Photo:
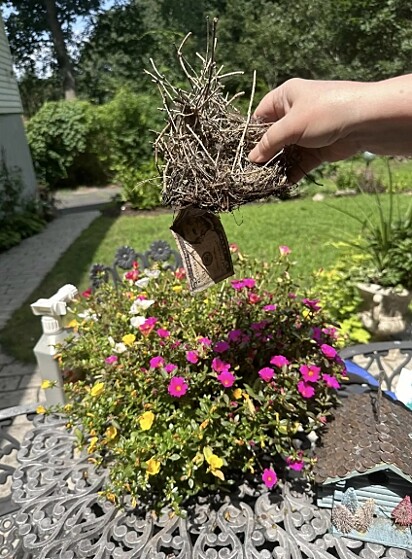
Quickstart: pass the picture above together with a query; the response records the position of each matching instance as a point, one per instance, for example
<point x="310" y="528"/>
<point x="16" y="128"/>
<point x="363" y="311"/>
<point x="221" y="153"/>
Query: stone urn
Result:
<point x="384" y="309"/>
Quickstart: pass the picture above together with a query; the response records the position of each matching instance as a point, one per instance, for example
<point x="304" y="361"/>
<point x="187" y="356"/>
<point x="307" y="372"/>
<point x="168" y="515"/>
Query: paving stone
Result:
<point x="30" y="381"/>
<point x="17" y="369"/>
<point x="8" y="384"/>
<point x="19" y="397"/>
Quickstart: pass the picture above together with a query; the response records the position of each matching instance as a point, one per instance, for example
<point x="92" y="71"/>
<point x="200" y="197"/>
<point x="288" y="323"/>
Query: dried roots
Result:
<point x="204" y="146"/>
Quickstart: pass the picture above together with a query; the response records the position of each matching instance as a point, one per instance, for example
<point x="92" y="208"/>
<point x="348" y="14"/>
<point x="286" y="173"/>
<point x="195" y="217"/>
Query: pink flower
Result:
<point x="205" y="341"/>
<point x="249" y="283"/>
<point x="156" y="362"/>
<point x="162" y="333"/>
<point x="254" y="298"/>
<point x="306" y="390"/>
<point x="233" y="247"/>
<point x="328" y="351"/>
<point x="177" y="387"/>
<point x="310" y="373"/>
<point x="269" y="308"/>
<point x="180" y="273"/>
<point x="133" y="275"/>
<point x="226" y="378"/>
<point x="148" y="325"/>
<point x="312" y="304"/>
<point x="292" y="295"/>
<point x="295" y="463"/>
<point x="221" y="347"/>
<point x="284" y="250"/>
<point x="269" y="477"/>
<point x="317" y="334"/>
<point x="331" y="381"/>
<point x="170" y="367"/>
<point x="237" y="284"/>
<point x="266" y="374"/>
<point x="235" y="335"/>
<point x="111" y="359"/>
<point x="87" y="293"/>
<point x="331" y="332"/>
<point x="257" y="326"/>
<point x="279" y="361"/>
<point x="192" y="357"/>
<point x="220" y="366"/>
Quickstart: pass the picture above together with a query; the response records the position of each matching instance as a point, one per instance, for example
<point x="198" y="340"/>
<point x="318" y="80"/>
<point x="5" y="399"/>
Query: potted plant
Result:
<point x="180" y="396"/>
<point x="385" y="271"/>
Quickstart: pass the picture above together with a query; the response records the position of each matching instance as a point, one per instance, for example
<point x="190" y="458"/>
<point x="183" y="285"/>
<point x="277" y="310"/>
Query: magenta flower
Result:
<point x="177" y="387"/>
<point x="148" y="325"/>
<point x="328" y="351"/>
<point x="257" y="326"/>
<point x="269" y="308"/>
<point x="312" y="304"/>
<point x="87" y="293"/>
<point x="306" y="390"/>
<point x="111" y="359"/>
<point x="317" y="334"/>
<point x="192" y="357"/>
<point x="226" y="378"/>
<point x="331" y="332"/>
<point x="254" y="298"/>
<point x="235" y="336"/>
<point x="295" y="463"/>
<point x="266" y="374"/>
<point x="331" y="381"/>
<point x="310" y="373"/>
<point x="157" y="362"/>
<point x="170" y="367"/>
<point x="237" y="284"/>
<point x="220" y="366"/>
<point x="221" y="347"/>
<point x="269" y="477"/>
<point x="279" y="361"/>
<point x="162" y="333"/>
<point x="284" y="250"/>
<point x="205" y="341"/>
<point x="249" y="283"/>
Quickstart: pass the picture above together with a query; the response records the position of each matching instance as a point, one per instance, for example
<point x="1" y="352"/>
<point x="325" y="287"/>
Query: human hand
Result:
<point x="313" y="115"/>
<point x="333" y="120"/>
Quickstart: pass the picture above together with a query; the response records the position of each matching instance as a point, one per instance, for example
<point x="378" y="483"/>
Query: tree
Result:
<point x="36" y="27"/>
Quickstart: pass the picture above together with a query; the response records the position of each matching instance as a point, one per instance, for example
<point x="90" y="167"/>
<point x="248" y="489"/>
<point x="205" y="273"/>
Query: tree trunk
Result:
<point x="63" y="59"/>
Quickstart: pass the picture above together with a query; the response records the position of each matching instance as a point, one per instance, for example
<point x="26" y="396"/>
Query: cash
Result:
<point x="203" y="245"/>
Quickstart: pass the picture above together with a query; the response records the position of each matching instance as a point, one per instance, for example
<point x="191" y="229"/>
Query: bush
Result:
<point x="19" y="218"/>
<point x="182" y="394"/>
<point x="141" y="188"/>
<point x="338" y="295"/>
<point x="60" y="136"/>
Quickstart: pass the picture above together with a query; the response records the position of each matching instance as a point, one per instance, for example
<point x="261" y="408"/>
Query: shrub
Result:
<point x="60" y="135"/>
<point x="141" y="188"/>
<point x="181" y="394"/>
<point x="336" y="289"/>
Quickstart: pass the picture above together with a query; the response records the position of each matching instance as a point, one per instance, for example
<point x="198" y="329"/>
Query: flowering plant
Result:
<point x="176" y="394"/>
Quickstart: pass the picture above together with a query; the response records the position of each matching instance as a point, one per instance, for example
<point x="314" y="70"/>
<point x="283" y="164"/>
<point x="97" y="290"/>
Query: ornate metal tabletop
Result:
<point x="62" y="516"/>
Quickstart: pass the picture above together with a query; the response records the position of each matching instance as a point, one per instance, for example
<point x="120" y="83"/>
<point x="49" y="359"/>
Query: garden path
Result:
<point x="22" y="268"/>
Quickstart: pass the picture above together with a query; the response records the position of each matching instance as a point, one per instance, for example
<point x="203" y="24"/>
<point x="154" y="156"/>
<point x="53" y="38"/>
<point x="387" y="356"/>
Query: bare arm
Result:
<point x="332" y="120"/>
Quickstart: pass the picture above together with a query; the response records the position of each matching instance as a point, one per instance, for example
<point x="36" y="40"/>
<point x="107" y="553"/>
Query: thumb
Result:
<point x="282" y="133"/>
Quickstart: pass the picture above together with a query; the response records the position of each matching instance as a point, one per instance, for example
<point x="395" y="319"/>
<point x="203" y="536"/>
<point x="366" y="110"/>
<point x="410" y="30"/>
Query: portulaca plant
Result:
<point x="179" y="395"/>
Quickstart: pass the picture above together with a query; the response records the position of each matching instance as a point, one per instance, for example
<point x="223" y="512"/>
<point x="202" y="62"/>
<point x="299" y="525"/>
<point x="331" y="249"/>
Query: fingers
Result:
<point x="280" y="134"/>
<point x="270" y="107"/>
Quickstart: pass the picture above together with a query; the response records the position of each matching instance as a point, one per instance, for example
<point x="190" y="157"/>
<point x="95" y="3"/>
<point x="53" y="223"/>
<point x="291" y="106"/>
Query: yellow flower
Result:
<point x="215" y="463"/>
<point x="204" y="424"/>
<point x="73" y="324"/>
<point x="146" y="420"/>
<point x="152" y="467"/>
<point x="177" y="288"/>
<point x="40" y="409"/>
<point x="111" y="433"/>
<point x="92" y="445"/>
<point x="128" y="339"/>
<point x="237" y="393"/>
<point x="97" y="389"/>
<point x="48" y="384"/>
<point x="68" y="407"/>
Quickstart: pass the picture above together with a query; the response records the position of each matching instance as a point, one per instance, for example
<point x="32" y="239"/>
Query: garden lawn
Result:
<point x="309" y="228"/>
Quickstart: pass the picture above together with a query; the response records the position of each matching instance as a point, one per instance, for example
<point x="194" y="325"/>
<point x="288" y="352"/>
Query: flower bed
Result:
<point x="177" y="395"/>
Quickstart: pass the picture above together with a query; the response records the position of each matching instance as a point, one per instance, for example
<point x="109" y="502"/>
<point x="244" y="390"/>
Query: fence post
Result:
<point x="51" y="310"/>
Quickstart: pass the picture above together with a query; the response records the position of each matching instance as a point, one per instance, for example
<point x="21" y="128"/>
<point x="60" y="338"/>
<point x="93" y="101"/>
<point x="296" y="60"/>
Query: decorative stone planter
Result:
<point x="384" y="310"/>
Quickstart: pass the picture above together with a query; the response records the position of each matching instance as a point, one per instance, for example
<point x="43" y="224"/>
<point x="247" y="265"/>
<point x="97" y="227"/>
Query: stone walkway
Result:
<point x="23" y="268"/>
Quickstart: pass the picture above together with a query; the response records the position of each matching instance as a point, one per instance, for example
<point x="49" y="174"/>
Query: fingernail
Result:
<point x="254" y="156"/>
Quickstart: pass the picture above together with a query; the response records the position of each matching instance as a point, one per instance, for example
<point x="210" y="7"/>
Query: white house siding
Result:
<point x="13" y="141"/>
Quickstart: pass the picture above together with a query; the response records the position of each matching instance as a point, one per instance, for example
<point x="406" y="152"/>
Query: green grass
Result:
<point x="309" y="228"/>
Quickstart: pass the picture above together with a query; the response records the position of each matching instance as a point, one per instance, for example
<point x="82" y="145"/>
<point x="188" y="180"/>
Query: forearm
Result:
<point x="382" y="119"/>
